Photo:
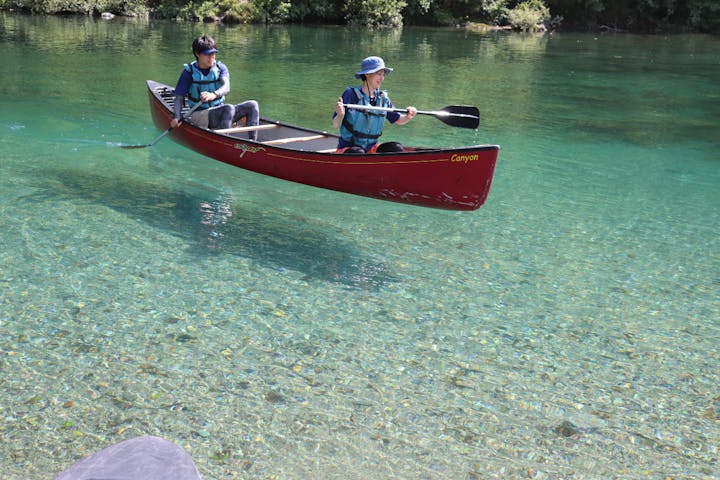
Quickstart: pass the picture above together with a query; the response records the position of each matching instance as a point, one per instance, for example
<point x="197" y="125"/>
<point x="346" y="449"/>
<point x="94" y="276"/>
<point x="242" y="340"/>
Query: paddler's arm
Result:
<point x="339" y="113"/>
<point x="204" y="96"/>
<point x="411" y="112"/>
<point x="220" y="92"/>
<point x="177" y="113"/>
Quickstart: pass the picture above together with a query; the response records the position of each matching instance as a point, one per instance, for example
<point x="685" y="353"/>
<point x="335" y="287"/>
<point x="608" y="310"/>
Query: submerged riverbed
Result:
<point x="567" y="329"/>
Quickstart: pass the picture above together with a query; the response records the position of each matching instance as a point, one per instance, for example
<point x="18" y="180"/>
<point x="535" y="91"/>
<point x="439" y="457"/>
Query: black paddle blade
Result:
<point x="463" y="116"/>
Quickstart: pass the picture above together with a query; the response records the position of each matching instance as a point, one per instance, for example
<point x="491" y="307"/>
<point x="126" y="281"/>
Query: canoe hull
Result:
<point x="455" y="179"/>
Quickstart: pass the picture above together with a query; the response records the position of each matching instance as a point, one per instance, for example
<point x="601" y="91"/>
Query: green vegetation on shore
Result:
<point x="647" y="16"/>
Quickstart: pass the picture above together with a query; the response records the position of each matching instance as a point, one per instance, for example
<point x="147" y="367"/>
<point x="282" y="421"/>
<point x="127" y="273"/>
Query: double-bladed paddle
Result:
<point x="463" y="116"/>
<point x="162" y="135"/>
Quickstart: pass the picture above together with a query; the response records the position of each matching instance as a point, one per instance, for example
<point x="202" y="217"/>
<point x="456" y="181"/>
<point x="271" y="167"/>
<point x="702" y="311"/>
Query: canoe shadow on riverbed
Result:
<point x="211" y="224"/>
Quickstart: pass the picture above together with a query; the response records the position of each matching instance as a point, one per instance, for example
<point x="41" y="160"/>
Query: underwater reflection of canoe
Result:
<point x="452" y="178"/>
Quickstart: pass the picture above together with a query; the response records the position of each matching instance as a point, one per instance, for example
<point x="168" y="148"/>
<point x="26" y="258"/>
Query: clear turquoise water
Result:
<point x="567" y="329"/>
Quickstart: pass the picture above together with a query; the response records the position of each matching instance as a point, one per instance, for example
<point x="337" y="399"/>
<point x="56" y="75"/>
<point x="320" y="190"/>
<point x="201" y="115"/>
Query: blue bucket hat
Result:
<point x="372" y="65"/>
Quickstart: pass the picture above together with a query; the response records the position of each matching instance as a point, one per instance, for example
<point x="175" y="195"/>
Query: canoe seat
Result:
<point x="281" y="141"/>
<point x="246" y="129"/>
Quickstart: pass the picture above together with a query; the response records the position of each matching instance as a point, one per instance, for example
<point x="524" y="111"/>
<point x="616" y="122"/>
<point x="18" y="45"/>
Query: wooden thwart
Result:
<point x="280" y="141"/>
<point x="246" y="129"/>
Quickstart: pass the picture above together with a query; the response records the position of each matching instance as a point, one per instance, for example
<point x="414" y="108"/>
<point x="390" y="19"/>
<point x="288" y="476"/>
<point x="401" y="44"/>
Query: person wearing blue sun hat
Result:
<point x="360" y="129"/>
<point x="207" y="81"/>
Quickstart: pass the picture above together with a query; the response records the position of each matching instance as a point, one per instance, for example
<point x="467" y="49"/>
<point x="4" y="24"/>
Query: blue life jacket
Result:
<point x="364" y="127"/>
<point x="203" y="83"/>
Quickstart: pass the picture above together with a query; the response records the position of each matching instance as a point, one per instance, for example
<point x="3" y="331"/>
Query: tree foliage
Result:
<point x="374" y="13"/>
<point x="652" y="16"/>
<point x="620" y="15"/>
<point x="528" y="16"/>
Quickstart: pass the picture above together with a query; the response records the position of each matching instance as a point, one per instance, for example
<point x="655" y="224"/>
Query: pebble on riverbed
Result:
<point x="567" y="429"/>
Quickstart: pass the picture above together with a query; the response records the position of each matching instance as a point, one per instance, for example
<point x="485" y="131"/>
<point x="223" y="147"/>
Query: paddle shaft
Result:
<point x="463" y="116"/>
<point x="438" y="113"/>
<point x="162" y="135"/>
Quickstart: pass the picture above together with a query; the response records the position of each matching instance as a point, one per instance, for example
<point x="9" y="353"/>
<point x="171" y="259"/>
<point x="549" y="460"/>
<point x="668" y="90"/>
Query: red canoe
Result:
<point x="453" y="179"/>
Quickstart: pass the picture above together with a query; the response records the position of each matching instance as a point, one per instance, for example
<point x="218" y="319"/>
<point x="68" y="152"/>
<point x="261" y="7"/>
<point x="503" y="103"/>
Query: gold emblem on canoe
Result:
<point x="247" y="148"/>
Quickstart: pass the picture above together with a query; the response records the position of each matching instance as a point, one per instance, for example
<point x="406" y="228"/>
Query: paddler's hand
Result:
<point x="410" y="113"/>
<point x="175" y="122"/>
<point x="340" y="108"/>
<point x="339" y="113"/>
<point x="208" y="96"/>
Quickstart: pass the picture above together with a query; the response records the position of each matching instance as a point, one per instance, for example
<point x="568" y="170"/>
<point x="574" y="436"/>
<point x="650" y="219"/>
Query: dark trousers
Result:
<point x="223" y="116"/>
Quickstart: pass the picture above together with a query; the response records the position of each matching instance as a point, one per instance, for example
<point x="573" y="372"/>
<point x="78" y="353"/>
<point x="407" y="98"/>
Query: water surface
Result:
<point x="567" y="329"/>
